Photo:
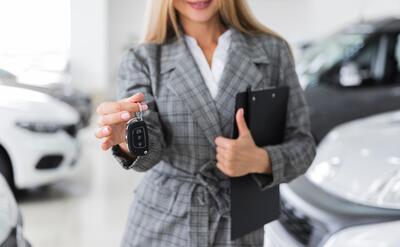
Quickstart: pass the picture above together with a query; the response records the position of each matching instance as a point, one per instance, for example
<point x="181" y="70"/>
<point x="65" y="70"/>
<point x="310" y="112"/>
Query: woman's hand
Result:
<point x="241" y="156"/>
<point x="114" y="116"/>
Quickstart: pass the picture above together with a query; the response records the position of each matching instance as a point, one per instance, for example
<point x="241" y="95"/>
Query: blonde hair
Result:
<point x="163" y="24"/>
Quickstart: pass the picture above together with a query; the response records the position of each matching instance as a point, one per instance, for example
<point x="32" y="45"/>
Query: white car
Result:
<point x="350" y="196"/>
<point x="11" y="234"/>
<point x="38" y="143"/>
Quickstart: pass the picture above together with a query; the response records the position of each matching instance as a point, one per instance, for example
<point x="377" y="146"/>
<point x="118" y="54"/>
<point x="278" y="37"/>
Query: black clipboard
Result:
<point x="265" y="115"/>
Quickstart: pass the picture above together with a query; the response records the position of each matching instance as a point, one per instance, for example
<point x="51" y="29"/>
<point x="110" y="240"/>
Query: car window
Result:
<point x="367" y="57"/>
<point x="327" y="52"/>
<point x="6" y="76"/>
<point x="372" y="62"/>
<point x="392" y="64"/>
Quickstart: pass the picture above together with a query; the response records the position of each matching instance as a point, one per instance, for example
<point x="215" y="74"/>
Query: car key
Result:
<point x="137" y="136"/>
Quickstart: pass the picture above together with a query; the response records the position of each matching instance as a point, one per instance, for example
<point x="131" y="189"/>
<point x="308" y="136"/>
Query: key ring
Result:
<point x="140" y="113"/>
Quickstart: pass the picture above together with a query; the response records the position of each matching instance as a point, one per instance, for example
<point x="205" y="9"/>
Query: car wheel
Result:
<point x="6" y="169"/>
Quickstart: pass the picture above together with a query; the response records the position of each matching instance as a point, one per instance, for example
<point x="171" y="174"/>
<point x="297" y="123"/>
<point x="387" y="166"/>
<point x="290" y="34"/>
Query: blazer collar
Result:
<point x="188" y="84"/>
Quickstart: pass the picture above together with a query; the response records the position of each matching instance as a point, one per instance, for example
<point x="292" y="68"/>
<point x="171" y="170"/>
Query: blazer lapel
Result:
<point x="240" y="71"/>
<point x="187" y="83"/>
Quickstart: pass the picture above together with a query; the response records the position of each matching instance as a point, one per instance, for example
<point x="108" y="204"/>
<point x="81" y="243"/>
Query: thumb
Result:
<point x="241" y="123"/>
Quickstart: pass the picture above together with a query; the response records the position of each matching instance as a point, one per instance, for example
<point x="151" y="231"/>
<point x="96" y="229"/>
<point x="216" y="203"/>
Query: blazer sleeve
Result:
<point x="133" y="77"/>
<point x="293" y="157"/>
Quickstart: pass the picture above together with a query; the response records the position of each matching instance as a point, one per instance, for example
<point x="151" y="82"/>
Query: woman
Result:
<point x="196" y="56"/>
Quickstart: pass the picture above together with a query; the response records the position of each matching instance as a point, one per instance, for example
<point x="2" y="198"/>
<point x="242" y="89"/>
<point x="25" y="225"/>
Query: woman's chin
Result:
<point x="200" y="17"/>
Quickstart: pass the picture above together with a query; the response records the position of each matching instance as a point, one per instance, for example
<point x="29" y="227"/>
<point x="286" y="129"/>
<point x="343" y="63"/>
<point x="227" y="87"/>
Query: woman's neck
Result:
<point x="206" y="33"/>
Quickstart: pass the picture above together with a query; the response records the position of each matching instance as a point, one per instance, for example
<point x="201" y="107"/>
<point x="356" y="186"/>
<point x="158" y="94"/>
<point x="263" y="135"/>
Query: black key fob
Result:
<point x="137" y="137"/>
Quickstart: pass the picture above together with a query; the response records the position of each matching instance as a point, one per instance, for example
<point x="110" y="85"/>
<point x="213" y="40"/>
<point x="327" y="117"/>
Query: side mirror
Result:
<point x="350" y="75"/>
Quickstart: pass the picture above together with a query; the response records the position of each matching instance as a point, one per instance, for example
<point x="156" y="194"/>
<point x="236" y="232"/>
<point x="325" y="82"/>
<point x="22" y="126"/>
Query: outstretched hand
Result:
<point x="113" y="117"/>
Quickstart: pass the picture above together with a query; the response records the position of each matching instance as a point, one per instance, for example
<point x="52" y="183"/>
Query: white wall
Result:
<point x="125" y="26"/>
<point x="26" y="29"/>
<point x="89" y="40"/>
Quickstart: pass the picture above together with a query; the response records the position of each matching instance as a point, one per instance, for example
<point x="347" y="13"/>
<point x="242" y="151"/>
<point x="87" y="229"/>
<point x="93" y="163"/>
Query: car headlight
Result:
<point x="40" y="127"/>
<point x="385" y="192"/>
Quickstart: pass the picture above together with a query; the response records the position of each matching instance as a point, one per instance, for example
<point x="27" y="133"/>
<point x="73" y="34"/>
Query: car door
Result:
<point x="332" y="104"/>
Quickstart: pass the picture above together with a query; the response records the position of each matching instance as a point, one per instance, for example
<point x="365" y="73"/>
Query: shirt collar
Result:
<point x="223" y="40"/>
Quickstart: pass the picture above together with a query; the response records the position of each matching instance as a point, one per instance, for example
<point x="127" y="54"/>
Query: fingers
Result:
<point x="117" y="106"/>
<point x="106" y="144"/>
<point x="224" y="142"/>
<point x="241" y="123"/>
<point x="221" y="150"/>
<point x="119" y="117"/>
<point x="138" y="97"/>
<point x="103" y="132"/>
<point x="122" y="105"/>
<point x="114" y="118"/>
<point x="226" y="169"/>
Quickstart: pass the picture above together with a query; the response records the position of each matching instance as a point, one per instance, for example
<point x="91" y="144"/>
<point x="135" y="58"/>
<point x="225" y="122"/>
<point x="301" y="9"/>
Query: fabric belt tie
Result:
<point x="217" y="185"/>
<point x="211" y="180"/>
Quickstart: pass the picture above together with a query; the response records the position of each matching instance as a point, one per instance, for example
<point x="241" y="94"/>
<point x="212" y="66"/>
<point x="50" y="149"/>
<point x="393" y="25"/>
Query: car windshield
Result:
<point x="6" y="75"/>
<point x="325" y="53"/>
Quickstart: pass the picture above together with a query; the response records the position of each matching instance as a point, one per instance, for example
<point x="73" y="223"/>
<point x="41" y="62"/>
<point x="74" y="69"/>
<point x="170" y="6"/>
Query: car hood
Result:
<point x="360" y="161"/>
<point x="36" y="106"/>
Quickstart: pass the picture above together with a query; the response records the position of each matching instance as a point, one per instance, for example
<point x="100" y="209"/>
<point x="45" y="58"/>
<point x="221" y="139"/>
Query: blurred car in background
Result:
<point x="11" y="234"/>
<point x="352" y="74"/>
<point x="38" y="137"/>
<point x="350" y="196"/>
<point x="52" y="84"/>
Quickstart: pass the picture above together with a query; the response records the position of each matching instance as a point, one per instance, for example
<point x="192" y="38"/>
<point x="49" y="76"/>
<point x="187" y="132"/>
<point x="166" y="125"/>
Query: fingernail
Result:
<point x="125" y="115"/>
<point x="106" y="131"/>
<point x="145" y="107"/>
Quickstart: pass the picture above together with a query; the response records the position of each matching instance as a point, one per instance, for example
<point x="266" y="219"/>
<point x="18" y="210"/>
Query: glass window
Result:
<point x="367" y="57"/>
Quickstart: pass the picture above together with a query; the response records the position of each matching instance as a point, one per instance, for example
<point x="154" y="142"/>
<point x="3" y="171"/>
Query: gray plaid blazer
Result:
<point x="183" y="199"/>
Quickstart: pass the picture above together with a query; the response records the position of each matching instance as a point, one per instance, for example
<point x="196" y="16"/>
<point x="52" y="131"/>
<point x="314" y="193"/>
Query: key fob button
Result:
<point x="137" y="138"/>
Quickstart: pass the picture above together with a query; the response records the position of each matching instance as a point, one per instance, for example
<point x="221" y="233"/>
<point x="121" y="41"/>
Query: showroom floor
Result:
<point x="89" y="209"/>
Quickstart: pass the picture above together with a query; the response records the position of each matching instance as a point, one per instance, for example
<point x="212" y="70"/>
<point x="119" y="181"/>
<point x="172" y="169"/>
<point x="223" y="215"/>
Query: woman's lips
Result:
<point x="200" y="4"/>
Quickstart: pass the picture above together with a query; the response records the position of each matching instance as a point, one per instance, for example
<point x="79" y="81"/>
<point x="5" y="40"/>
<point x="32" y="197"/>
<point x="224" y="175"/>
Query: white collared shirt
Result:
<point x="212" y="76"/>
